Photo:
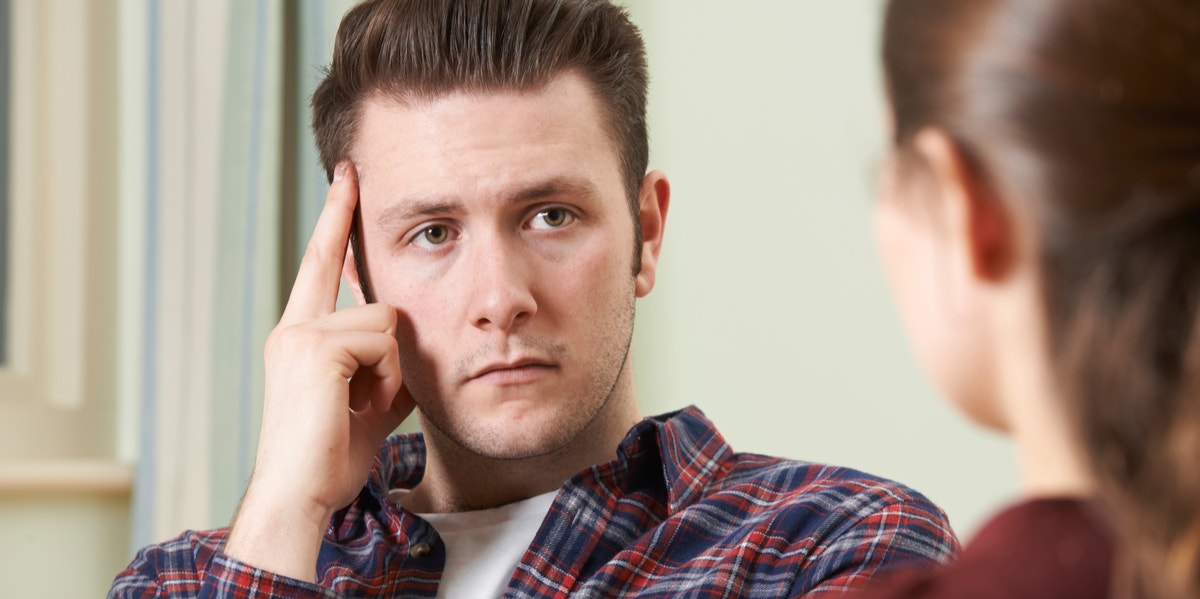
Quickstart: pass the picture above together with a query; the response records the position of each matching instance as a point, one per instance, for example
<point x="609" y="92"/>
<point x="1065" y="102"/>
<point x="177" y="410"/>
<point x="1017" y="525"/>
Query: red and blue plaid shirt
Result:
<point x="677" y="514"/>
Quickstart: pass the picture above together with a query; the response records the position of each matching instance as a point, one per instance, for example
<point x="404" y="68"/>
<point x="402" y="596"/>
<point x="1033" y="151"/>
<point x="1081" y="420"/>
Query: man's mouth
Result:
<point x="514" y="372"/>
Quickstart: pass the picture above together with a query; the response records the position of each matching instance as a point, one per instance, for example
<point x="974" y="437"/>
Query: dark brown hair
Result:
<point x="422" y="49"/>
<point x="1088" y="113"/>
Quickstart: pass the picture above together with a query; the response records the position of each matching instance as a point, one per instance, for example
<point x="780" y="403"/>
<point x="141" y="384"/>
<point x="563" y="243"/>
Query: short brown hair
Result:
<point x="421" y="49"/>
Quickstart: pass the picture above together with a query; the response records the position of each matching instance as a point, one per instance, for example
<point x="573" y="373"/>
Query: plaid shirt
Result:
<point x="677" y="514"/>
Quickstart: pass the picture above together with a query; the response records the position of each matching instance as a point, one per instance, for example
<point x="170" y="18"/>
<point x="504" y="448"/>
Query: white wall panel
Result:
<point x="771" y="312"/>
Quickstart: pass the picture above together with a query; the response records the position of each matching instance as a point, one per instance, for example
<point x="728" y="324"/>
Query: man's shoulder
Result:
<point x="812" y="527"/>
<point x="825" y="499"/>
<point x="791" y="480"/>
<point x="707" y="470"/>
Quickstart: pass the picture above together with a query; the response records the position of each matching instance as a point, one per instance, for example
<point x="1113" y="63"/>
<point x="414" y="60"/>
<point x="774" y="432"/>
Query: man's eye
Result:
<point x="433" y="236"/>
<point x="552" y="218"/>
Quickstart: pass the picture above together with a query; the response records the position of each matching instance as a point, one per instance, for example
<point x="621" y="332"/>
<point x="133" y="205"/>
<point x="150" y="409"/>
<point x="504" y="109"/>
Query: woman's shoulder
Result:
<point x="1052" y="548"/>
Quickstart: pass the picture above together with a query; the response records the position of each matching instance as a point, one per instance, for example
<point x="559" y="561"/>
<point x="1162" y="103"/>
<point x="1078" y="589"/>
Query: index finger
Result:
<point x="315" y="291"/>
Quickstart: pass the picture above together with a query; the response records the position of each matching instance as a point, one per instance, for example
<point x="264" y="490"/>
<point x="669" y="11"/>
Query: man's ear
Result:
<point x="350" y="275"/>
<point x="653" y="201"/>
<point x="977" y="223"/>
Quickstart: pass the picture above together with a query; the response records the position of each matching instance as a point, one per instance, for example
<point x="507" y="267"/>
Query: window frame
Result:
<point x="52" y="187"/>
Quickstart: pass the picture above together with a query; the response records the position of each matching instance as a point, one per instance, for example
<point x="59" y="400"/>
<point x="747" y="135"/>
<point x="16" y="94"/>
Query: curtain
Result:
<point x="230" y="190"/>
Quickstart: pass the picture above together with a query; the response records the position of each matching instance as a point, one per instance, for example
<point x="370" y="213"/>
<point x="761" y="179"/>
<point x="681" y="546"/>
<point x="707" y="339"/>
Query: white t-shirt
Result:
<point x="483" y="547"/>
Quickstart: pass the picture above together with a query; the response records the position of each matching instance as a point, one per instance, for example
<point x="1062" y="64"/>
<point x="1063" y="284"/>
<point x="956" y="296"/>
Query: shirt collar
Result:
<point x="692" y="453"/>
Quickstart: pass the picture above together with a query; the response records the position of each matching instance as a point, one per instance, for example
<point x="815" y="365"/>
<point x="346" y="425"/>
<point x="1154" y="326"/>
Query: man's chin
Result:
<point x="510" y="432"/>
<point x="512" y="443"/>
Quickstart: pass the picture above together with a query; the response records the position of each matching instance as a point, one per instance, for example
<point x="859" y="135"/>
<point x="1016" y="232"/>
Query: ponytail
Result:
<point x="1087" y="113"/>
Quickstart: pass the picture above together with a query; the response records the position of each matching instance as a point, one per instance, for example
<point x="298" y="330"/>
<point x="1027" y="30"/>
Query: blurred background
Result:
<point x="158" y="184"/>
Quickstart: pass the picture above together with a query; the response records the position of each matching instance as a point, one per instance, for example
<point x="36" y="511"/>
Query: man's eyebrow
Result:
<point x="558" y="186"/>
<point x="409" y="209"/>
<point x="414" y="208"/>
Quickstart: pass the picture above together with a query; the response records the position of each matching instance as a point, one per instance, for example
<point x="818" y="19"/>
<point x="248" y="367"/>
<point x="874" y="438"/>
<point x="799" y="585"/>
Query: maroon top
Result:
<point x="1039" y="549"/>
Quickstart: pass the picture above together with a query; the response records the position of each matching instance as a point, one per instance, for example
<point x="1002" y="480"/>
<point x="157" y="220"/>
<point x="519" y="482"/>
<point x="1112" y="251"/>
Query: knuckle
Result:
<point x="293" y="341"/>
<point x="311" y="342"/>
<point x="387" y="315"/>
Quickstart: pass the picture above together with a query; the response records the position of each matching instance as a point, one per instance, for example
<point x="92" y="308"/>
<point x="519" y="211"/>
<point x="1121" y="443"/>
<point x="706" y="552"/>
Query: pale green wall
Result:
<point x="771" y="312"/>
<point x="59" y="545"/>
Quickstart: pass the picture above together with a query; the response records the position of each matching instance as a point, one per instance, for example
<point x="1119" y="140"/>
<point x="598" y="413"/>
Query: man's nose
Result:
<point x="501" y="293"/>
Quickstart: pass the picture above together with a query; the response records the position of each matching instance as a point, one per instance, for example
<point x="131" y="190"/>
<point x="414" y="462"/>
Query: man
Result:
<point x="488" y="163"/>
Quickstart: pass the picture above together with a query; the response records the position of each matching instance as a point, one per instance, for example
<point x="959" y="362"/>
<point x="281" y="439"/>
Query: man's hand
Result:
<point x="333" y="394"/>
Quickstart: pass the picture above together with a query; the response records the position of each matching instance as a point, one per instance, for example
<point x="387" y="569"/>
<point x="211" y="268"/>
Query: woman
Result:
<point x="1040" y="225"/>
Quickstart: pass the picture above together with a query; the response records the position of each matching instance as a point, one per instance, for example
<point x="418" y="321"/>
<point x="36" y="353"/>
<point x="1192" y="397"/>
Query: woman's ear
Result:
<point x="977" y="223"/>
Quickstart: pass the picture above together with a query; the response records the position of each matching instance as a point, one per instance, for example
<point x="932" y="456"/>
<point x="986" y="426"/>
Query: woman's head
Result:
<point x="1075" y="125"/>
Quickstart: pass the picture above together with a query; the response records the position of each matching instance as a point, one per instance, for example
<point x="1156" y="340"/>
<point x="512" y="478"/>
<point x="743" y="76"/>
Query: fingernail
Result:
<point x="339" y="171"/>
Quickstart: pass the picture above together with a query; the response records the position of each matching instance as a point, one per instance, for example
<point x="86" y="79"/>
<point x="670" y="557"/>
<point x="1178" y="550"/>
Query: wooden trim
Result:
<point x="16" y="376"/>
<point x="49" y="182"/>
<point x="65" y="476"/>
<point x="133" y="50"/>
<point x="64" y="171"/>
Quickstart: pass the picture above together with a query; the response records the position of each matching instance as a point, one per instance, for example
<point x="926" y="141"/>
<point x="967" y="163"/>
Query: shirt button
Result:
<point x="420" y="550"/>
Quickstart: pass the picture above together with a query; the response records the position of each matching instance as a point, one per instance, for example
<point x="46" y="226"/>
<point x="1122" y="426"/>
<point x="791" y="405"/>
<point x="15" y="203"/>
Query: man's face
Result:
<point x="498" y="227"/>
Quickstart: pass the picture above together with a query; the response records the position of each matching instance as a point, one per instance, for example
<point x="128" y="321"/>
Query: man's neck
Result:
<point x="457" y="479"/>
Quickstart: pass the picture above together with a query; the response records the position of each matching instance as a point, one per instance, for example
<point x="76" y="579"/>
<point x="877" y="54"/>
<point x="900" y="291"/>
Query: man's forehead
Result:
<point x="522" y="187"/>
<point x="505" y="146"/>
<point x="566" y="103"/>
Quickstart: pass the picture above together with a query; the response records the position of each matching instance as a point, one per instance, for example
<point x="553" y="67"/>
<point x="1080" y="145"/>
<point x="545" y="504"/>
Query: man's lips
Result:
<point x="525" y="370"/>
